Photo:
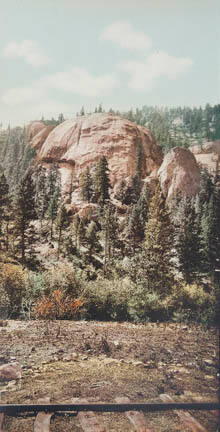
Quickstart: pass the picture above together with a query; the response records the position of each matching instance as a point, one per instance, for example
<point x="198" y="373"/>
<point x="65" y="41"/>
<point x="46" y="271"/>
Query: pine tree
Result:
<point x="186" y="239"/>
<point x="209" y="237"/>
<point x="101" y="181"/>
<point x="132" y="229"/>
<point x="82" y="111"/>
<point x="92" y="239"/>
<point x="62" y="222"/>
<point x="53" y="209"/>
<point x="5" y="206"/>
<point x="110" y="230"/>
<point x="24" y="213"/>
<point x="61" y="118"/>
<point x="81" y="234"/>
<point x="156" y="264"/>
<point x="41" y="197"/>
<point x="78" y="231"/>
<point x="86" y="185"/>
<point x="53" y="181"/>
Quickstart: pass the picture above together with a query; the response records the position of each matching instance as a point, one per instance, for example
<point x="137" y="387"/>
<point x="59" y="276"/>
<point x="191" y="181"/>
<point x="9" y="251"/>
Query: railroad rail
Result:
<point x="85" y="413"/>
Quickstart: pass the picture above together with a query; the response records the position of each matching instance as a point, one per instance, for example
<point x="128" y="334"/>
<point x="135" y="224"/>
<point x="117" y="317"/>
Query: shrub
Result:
<point x="57" y="306"/>
<point x="12" y="286"/>
<point x="191" y="302"/>
<point x="34" y="287"/>
<point x="144" y="306"/>
<point x="106" y="300"/>
<point x="66" y="278"/>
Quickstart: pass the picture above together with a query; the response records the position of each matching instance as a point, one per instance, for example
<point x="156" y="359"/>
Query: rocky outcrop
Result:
<point x="179" y="172"/>
<point x="76" y="144"/>
<point x="208" y="147"/>
<point x="38" y="140"/>
<point x="208" y="156"/>
<point x="33" y="128"/>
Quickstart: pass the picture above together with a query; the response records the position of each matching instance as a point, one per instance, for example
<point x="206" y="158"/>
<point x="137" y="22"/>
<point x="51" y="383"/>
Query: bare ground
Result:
<point x="101" y="361"/>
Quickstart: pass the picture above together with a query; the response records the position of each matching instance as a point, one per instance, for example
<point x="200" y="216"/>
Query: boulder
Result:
<point x="179" y="172"/>
<point x="9" y="372"/>
<point x="76" y="144"/>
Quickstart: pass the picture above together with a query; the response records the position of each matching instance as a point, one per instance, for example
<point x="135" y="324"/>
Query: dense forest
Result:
<point x="141" y="261"/>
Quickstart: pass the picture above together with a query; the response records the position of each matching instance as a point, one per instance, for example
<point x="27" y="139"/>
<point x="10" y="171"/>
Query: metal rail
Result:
<point x="13" y="410"/>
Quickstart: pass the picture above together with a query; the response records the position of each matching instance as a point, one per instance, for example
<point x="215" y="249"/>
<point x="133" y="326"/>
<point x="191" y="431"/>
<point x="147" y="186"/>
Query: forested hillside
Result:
<point x="138" y="260"/>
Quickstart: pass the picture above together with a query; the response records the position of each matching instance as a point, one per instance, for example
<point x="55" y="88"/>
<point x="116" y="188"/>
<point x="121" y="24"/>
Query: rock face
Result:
<point x="33" y="128"/>
<point x="179" y="172"/>
<point x="208" y="156"/>
<point x="76" y="144"/>
<point x="38" y="140"/>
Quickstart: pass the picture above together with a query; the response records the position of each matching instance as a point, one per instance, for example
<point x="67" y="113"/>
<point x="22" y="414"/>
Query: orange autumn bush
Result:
<point x="58" y="305"/>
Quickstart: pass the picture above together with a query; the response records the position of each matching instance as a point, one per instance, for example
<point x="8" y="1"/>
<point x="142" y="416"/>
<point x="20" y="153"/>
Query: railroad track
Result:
<point x="83" y="415"/>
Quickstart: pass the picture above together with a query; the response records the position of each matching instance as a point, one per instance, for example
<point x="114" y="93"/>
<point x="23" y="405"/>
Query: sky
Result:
<point x="59" y="55"/>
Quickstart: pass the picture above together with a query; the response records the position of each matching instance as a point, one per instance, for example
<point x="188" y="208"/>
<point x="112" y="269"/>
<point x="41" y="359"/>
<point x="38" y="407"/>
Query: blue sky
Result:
<point x="57" y="55"/>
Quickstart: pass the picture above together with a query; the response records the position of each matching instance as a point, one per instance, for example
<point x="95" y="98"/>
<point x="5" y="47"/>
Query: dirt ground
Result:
<point x="101" y="361"/>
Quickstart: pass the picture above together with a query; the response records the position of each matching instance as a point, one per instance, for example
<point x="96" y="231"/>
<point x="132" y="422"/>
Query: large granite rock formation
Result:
<point x="179" y="172"/>
<point x="76" y="144"/>
<point x="33" y="128"/>
<point x="38" y="140"/>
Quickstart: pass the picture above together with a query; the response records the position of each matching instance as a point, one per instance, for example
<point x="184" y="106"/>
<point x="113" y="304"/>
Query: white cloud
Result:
<point x="28" y="50"/>
<point x="123" y="34"/>
<point x="157" y="65"/>
<point x="76" y="81"/>
<point x="21" y="95"/>
<point x="79" y="81"/>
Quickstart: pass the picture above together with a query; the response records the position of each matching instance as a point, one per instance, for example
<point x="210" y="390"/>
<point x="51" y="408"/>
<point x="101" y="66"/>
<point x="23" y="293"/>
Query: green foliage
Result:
<point x="53" y="209"/>
<point x="156" y="263"/>
<point x="12" y="286"/>
<point x="186" y="239"/>
<point x="24" y="213"/>
<point x="144" y="306"/>
<point x="106" y="300"/>
<point x="101" y="181"/>
<point x="192" y="302"/>
<point x="92" y="239"/>
<point x="86" y="185"/>
<point x="34" y="287"/>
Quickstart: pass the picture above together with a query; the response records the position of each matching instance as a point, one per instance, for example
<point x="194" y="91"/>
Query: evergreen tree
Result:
<point x="110" y="230"/>
<point x="61" y="118"/>
<point x="186" y="239"/>
<point x="101" y="181"/>
<point x="53" y="181"/>
<point x="92" y="239"/>
<point x="62" y="222"/>
<point x="53" y="209"/>
<point x="41" y="197"/>
<point x="132" y="229"/>
<point x="137" y="219"/>
<point x="81" y="234"/>
<point x="86" y="185"/>
<point x="24" y="213"/>
<point x="209" y="237"/>
<point x="156" y="265"/>
<point x="5" y="203"/>
<point x="78" y="231"/>
<point x="82" y="111"/>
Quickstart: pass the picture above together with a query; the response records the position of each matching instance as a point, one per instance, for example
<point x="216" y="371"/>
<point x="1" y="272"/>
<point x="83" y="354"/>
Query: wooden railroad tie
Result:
<point x="184" y="416"/>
